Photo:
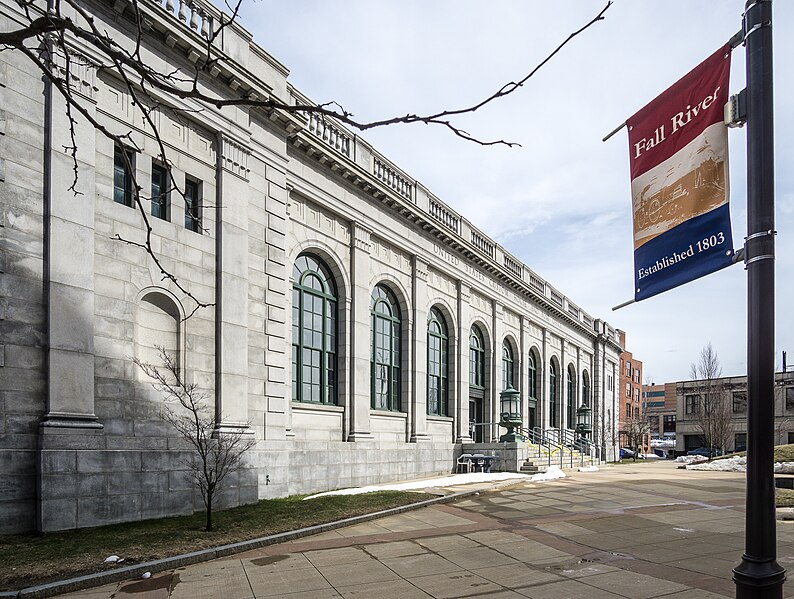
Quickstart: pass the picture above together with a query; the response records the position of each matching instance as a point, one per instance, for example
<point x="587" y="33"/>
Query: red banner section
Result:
<point x="678" y="152"/>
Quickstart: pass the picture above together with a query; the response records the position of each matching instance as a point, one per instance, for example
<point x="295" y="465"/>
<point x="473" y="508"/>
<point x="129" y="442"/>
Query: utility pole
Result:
<point x="759" y="576"/>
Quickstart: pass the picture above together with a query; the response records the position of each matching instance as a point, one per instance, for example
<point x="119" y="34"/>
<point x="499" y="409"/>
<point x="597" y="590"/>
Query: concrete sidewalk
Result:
<point x="625" y="532"/>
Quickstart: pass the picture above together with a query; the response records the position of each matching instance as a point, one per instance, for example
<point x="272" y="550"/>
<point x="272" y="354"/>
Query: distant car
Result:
<point x="705" y="452"/>
<point x="625" y="452"/>
<point x="660" y="452"/>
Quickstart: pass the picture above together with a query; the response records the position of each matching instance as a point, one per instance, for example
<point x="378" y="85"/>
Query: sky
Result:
<point x="561" y="202"/>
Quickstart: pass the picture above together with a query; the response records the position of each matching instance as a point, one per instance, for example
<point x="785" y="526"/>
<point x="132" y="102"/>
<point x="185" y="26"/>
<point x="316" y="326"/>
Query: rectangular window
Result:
<point x="789" y="398"/>
<point x="160" y="191"/>
<point x="636" y="394"/>
<point x="739" y="403"/>
<point x="628" y="389"/>
<point x="192" y="205"/>
<point x="637" y="375"/>
<point x="122" y="175"/>
<point x="692" y="404"/>
<point x="628" y="410"/>
<point x="609" y="382"/>
<point x="669" y="423"/>
<point x="790" y="438"/>
<point x="740" y="442"/>
<point x="628" y="369"/>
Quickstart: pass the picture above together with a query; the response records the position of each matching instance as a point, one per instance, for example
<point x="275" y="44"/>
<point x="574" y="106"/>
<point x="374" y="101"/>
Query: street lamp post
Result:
<point x="510" y="415"/>
<point x="759" y="576"/>
<point x="584" y="421"/>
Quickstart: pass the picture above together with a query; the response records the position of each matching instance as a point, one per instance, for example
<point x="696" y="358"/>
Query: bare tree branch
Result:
<point x="216" y="454"/>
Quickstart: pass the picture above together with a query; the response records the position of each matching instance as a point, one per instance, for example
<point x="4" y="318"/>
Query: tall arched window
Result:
<point x="553" y="395"/>
<point x="385" y="360"/>
<point x="313" y="331"/>
<point x="507" y="366"/>
<point x="571" y="396"/>
<point x="532" y="369"/>
<point x="532" y="388"/>
<point x="437" y="363"/>
<point x="585" y="389"/>
<point x="476" y="358"/>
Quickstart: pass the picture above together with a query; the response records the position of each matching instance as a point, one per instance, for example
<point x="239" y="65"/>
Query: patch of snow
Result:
<point x="446" y="481"/>
<point x="649" y="456"/>
<point x="552" y="473"/>
<point x="784" y="467"/>
<point x="734" y="464"/>
<point x="589" y="469"/>
<point x="684" y="529"/>
<point x="112" y="559"/>
<point x="146" y="575"/>
<point x="690" y="459"/>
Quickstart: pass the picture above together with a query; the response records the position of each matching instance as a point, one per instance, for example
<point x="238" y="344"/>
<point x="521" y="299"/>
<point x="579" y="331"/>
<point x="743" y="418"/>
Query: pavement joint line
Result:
<point x="86" y="581"/>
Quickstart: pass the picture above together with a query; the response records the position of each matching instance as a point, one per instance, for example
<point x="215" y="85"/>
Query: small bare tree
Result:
<point x="216" y="454"/>
<point x="636" y="431"/>
<point x="714" y="412"/>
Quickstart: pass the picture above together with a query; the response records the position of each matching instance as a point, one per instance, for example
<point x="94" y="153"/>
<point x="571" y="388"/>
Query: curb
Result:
<point x="136" y="571"/>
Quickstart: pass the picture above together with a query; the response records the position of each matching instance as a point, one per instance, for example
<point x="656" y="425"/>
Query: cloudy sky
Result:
<point x="560" y="202"/>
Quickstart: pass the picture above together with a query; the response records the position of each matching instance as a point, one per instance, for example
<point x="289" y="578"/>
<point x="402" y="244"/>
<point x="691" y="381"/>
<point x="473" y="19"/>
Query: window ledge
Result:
<point x="438" y="418"/>
<point x="315" y="407"/>
<point x="388" y="414"/>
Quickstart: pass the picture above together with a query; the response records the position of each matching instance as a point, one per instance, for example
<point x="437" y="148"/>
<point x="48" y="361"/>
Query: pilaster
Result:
<point x="462" y="433"/>
<point x="69" y="251"/>
<point x="360" y="325"/>
<point x="544" y="402"/>
<point x="418" y="407"/>
<point x="231" y="308"/>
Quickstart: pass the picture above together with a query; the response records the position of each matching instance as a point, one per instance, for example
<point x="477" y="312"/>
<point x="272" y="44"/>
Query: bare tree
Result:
<point x="713" y="412"/>
<point x="636" y="431"/>
<point x="49" y="32"/>
<point x="216" y="454"/>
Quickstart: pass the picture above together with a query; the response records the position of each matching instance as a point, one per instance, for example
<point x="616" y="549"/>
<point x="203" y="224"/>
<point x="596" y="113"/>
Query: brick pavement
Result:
<point x="628" y="531"/>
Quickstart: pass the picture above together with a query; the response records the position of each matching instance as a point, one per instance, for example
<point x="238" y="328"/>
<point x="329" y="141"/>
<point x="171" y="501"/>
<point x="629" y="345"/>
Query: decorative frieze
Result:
<point x="361" y="238"/>
<point x="77" y="70"/>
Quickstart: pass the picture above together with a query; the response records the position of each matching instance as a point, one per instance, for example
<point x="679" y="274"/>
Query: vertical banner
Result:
<point x="678" y="149"/>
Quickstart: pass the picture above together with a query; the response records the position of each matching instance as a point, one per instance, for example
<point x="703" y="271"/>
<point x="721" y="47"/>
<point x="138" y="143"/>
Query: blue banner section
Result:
<point x="686" y="252"/>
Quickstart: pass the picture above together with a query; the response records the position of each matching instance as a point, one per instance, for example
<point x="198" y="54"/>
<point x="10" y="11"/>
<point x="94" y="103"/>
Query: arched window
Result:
<point x="476" y="358"/>
<point x="313" y="332"/>
<point x="385" y="365"/>
<point x="571" y="396"/>
<point x="585" y="389"/>
<point x="507" y="366"/>
<point x="532" y="389"/>
<point x="553" y="396"/>
<point x="437" y="363"/>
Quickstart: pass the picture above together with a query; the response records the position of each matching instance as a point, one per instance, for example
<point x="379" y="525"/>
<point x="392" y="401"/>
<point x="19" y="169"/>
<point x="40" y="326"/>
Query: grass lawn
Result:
<point x="784" y="498"/>
<point x="31" y="559"/>
<point x="783" y="453"/>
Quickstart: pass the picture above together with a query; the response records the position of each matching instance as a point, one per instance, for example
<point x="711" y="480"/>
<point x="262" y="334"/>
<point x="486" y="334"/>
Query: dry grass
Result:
<point x="36" y="558"/>
<point x="784" y="498"/>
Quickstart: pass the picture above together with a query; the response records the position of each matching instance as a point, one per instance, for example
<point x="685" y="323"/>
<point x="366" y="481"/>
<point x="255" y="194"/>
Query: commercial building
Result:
<point x="357" y="327"/>
<point x="659" y="406"/>
<point x="731" y="392"/>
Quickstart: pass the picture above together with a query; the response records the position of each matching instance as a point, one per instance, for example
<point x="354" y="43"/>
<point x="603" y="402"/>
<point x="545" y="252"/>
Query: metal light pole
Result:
<point x="759" y="576"/>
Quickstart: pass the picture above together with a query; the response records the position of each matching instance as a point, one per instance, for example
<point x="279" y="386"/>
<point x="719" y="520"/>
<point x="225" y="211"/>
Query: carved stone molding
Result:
<point x="361" y="238"/>
<point x="81" y="75"/>
<point x="234" y="157"/>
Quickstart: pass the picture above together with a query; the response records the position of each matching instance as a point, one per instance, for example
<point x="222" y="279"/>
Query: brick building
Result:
<point x="629" y="389"/>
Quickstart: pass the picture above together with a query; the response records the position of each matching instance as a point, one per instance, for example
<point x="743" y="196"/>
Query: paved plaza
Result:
<point x="627" y="531"/>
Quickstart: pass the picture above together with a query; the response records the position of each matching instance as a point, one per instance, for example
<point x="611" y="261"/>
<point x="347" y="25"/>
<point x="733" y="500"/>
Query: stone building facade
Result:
<point x="360" y="329"/>
<point x="733" y="391"/>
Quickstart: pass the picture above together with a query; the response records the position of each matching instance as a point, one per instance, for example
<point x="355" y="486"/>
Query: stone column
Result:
<point x="495" y="388"/>
<point x="562" y="387"/>
<point x="544" y="401"/>
<point x="521" y="369"/>
<point x="418" y="408"/>
<point x="69" y="254"/>
<point x="361" y="323"/>
<point x="231" y="307"/>
<point x="462" y="433"/>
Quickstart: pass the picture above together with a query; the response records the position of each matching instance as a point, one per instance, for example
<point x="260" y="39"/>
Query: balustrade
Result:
<point x="200" y="17"/>
<point x="482" y="243"/>
<point x="334" y="136"/>
<point x="392" y="178"/>
<point x="444" y="215"/>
